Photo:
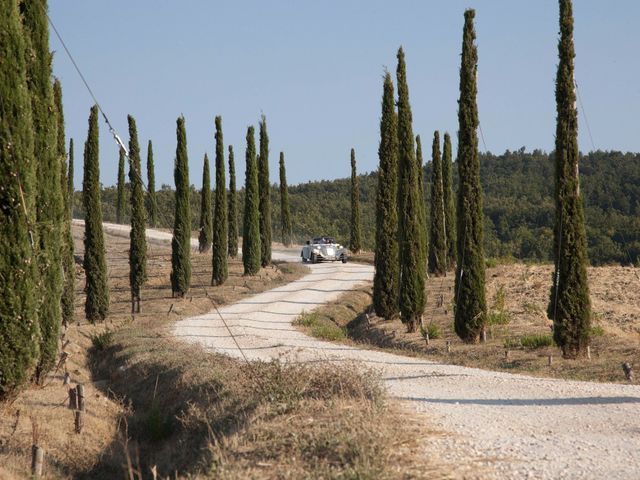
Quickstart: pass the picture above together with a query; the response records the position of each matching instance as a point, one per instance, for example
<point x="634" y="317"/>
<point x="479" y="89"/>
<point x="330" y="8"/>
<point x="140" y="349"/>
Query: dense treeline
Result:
<point x="518" y="205"/>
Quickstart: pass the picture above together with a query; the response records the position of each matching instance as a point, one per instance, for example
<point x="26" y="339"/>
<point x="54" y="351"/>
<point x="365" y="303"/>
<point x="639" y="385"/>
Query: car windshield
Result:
<point x="324" y="240"/>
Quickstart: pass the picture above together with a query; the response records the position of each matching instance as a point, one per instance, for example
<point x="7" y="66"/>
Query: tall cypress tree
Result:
<point x="437" y="237"/>
<point x="220" y="234"/>
<point x="386" y="281"/>
<point x="569" y="305"/>
<point x="68" y="263"/>
<point x="265" y="195"/>
<point x="355" y="240"/>
<point x="412" y="230"/>
<point x="18" y="287"/>
<point x="152" y="202"/>
<point x="285" y="212"/>
<point x="138" y="248"/>
<point x="49" y="202"/>
<point x="471" y="306"/>
<point x="449" y="205"/>
<point x="70" y="185"/>
<point x="95" y="264"/>
<point x="121" y="200"/>
<point x="251" y="253"/>
<point x="205" y="236"/>
<point x="181" y="242"/>
<point x="422" y="199"/>
<point x="233" y="207"/>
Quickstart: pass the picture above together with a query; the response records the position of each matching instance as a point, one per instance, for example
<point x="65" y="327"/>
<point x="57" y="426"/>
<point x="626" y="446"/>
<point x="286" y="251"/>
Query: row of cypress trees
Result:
<point x="36" y="251"/>
<point x="400" y="241"/>
<point x="399" y="282"/>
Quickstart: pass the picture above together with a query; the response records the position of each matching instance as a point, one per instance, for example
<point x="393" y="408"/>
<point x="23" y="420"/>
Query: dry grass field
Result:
<point x="517" y="296"/>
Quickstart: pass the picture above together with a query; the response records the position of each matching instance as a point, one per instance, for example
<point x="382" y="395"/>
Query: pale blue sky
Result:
<point x="315" y="70"/>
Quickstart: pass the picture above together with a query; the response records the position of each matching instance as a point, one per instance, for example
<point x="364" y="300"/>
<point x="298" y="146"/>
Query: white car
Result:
<point x="323" y="249"/>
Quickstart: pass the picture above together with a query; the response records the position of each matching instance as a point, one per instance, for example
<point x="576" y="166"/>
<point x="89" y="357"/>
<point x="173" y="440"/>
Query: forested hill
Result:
<point x="518" y="206"/>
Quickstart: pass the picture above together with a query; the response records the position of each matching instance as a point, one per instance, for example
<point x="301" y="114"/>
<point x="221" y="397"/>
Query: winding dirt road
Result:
<point x="498" y="425"/>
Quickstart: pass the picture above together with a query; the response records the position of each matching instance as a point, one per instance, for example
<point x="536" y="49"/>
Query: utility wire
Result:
<point x="584" y="114"/>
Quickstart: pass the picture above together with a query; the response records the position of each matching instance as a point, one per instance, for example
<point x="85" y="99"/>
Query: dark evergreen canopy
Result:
<point x="471" y="307"/>
<point x="285" y="213"/>
<point x="437" y="234"/>
<point x="205" y="237"/>
<point x="355" y="239"/>
<point x="152" y="202"/>
<point x="138" y="245"/>
<point x="251" y="253"/>
<point x="220" y="234"/>
<point x="569" y="306"/>
<point x="233" y="207"/>
<point x="449" y="204"/>
<point x="121" y="202"/>
<point x="386" y="281"/>
<point x="265" y="195"/>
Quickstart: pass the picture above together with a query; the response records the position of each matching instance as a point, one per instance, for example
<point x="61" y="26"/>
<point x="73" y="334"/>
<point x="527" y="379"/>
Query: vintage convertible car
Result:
<point x="323" y="249"/>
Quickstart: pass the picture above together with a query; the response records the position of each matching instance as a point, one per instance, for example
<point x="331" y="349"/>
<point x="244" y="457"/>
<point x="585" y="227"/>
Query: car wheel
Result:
<point x="344" y="259"/>
<point x="313" y="258"/>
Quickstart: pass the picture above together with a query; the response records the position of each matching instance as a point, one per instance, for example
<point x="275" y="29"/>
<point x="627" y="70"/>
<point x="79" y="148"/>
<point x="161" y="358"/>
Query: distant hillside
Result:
<point x="518" y="206"/>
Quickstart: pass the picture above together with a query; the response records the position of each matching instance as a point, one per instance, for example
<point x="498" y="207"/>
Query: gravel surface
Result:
<point x="499" y="425"/>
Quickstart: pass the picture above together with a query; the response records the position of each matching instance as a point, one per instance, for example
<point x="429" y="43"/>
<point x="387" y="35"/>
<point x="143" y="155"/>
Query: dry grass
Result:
<point x="517" y="296"/>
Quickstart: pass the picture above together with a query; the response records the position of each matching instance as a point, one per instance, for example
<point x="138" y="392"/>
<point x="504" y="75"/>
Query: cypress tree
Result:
<point x="206" y="216"/>
<point x="471" y="306"/>
<point x="138" y="248"/>
<point x="220" y="233"/>
<point x="569" y="305"/>
<point x="265" y="195"/>
<point x="18" y="324"/>
<point x="251" y="252"/>
<point x="437" y="237"/>
<point x="233" y="207"/>
<point x="449" y="205"/>
<point x="412" y="230"/>
<point x="95" y="265"/>
<point x="285" y="213"/>
<point x="49" y="201"/>
<point x="121" y="201"/>
<point x="386" y="281"/>
<point x="68" y="262"/>
<point x="422" y="199"/>
<point x="70" y="186"/>
<point x="152" y="203"/>
<point x="181" y="242"/>
<point x="355" y="241"/>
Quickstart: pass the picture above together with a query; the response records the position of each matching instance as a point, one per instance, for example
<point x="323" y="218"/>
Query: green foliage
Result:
<point x="66" y="251"/>
<point x="285" y="212"/>
<point x="233" y="207"/>
<point x="569" y="304"/>
<point x="437" y="233"/>
<point x="422" y="198"/>
<point x="95" y="264"/>
<point x="205" y="237"/>
<point x="152" y="202"/>
<point x="536" y="341"/>
<point x="431" y="331"/>
<point x="355" y="239"/>
<point x="412" y="228"/>
<point x="138" y="245"/>
<point x="70" y="180"/>
<point x="386" y="280"/>
<point x="220" y="234"/>
<point x="251" y="253"/>
<point x="121" y="204"/>
<point x="596" y="331"/>
<point x="471" y="307"/>
<point x="449" y="204"/>
<point x="102" y="341"/>
<point x="264" y="188"/>
<point x="321" y="328"/>
<point x="49" y="200"/>
<point x="159" y="425"/>
<point x="181" y="242"/>
<point x="19" y="324"/>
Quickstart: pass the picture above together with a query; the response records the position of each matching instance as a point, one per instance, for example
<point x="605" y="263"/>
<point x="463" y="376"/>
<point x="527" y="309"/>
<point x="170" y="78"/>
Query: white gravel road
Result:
<point x="499" y="425"/>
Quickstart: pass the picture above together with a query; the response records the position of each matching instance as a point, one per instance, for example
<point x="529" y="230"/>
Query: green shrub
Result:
<point x="597" y="331"/>
<point x="328" y="331"/>
<point x="102" y="341"/>
<point x="498" y="318"/>
<point x="159" y="425"/>
<point x="432" y="330"/>
<point x="536" y="341"/>
<point x="512" y="343"/>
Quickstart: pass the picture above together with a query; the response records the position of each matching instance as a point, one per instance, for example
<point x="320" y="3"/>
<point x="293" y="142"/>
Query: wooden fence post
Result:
<point x="37" y="460"/>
